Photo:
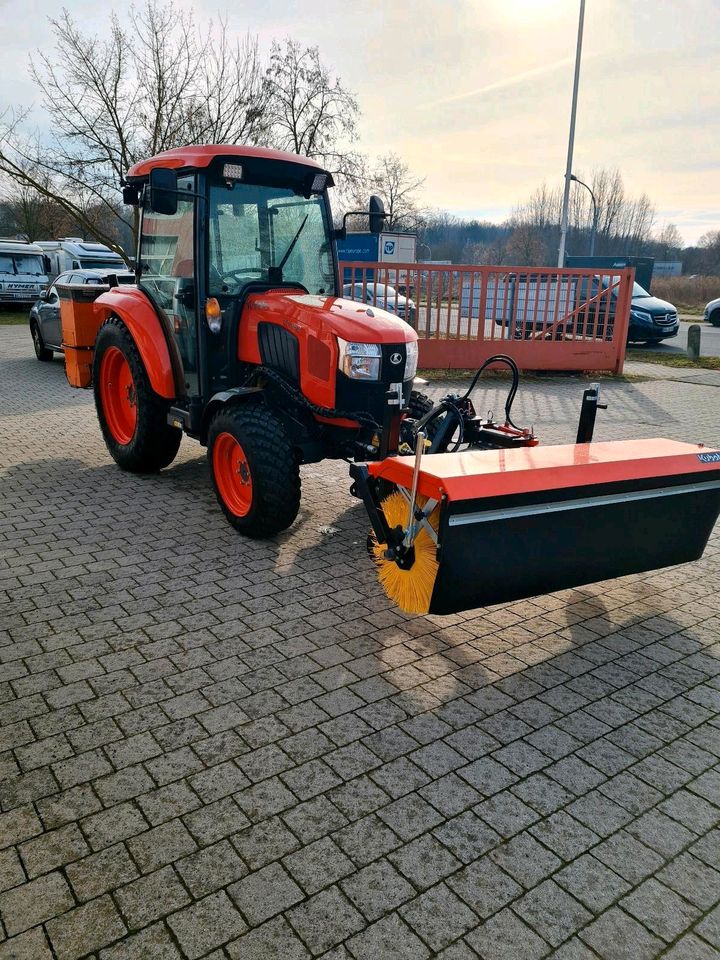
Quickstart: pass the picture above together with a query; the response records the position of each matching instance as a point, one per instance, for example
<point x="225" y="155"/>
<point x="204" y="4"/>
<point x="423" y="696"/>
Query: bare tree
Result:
<point x="157" y="84"/>
<point x="32" y="215"/>
<point x="624" y="223"/>
<point x="709" y="244"/>
<point x="670" y="241"/>
<point x="310" y="112"/>
<point x="392" y="179"/>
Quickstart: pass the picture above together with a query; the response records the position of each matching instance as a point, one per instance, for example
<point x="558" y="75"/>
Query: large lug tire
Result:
<point x="255" y="469"/>
<point x="133" y="418"/>
<point x="41" y="351"/>
<point x="419" y="404"/>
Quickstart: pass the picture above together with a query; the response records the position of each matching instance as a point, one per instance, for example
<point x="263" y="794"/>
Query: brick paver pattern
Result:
<point x="214" y="747"/>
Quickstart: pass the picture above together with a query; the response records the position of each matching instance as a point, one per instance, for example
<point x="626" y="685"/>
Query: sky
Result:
<point x="474" y="95"/>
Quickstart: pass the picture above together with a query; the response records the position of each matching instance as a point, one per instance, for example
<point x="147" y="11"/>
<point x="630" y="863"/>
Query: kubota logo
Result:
<point x="395" y="358"/>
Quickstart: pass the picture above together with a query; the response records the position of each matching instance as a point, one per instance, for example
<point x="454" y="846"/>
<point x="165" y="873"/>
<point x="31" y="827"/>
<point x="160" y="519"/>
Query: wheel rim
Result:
<point x="232" y="474"/>
<point x="118" y="395"/>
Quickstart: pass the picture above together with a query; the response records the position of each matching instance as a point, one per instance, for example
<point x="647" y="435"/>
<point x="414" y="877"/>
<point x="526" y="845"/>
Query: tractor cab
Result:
<point x="219" y="224"/>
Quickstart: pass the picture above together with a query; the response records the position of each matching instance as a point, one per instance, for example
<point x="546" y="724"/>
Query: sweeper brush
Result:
<point x="410" y="587"/>
<point x="503" y="518"/>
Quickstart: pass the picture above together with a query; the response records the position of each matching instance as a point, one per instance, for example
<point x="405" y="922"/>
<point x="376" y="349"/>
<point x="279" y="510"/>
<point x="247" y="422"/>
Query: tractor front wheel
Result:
<point x="133" y="418"/>
<point x="255" y="470"/>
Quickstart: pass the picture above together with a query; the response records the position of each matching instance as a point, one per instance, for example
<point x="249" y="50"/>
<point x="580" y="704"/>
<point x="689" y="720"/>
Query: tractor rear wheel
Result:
<point x="133" y="418"/>
<point x="255" y="470"/>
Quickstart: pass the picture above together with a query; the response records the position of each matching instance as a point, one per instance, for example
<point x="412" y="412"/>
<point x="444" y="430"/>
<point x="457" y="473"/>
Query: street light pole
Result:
<point x="593" y="228"/>
<point x="571" y="140"/>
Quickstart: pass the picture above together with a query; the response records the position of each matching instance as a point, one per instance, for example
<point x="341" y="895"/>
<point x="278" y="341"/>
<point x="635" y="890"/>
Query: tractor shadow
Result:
<point x="522" y="648"/>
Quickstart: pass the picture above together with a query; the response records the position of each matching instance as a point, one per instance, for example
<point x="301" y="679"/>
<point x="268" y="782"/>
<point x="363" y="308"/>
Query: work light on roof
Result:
<point x="319" y="183"/>
<point x="232" y="171"/>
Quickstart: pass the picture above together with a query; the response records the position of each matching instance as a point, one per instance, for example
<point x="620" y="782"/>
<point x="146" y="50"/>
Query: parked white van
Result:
<point x="74" y="253"/>
<point x="22" y="271"/>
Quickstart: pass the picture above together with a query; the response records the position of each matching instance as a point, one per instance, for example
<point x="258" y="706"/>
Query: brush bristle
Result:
<point x="410" y="589"/>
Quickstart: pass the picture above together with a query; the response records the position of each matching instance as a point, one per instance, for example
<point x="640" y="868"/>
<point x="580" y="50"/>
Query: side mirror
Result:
<point x="163" y="191"/>
<point x="376" y="212"/>
<point x="44" y="296"/>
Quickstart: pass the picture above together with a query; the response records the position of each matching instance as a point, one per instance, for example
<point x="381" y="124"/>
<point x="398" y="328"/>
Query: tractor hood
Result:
<point x="348" y="319"/>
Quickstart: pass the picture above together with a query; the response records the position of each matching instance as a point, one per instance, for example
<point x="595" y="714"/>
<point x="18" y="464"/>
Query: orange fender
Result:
<point x="140" y="317"/>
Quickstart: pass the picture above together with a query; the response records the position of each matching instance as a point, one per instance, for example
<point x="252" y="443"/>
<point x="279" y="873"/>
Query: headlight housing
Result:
<point x="641" y="315"/>
<point x="411" y="352"/>
<point x="359" y="361"/>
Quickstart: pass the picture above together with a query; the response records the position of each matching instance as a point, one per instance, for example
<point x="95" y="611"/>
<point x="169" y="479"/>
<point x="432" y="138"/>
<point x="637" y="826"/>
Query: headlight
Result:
<point x="359" y="361"/>
<point x="641" y="315"/>
<point x="411" y="351"/>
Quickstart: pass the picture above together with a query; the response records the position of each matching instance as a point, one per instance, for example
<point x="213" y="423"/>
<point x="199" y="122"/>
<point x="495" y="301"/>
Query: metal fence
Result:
<point x="546" y="319"/>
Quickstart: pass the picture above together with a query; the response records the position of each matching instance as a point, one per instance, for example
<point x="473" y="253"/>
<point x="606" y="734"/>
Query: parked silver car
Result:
<point x="712" y="312"/>
<point x="385" y="297"/>
<point x="45" y="313"/>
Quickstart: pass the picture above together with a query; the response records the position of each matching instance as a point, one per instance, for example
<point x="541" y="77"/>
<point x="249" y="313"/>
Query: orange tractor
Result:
<point x="235" y="335"/>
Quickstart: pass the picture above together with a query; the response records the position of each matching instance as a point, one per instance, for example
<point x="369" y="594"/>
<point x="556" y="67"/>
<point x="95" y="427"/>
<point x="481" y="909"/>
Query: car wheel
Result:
<point x="715" y="318"/>
<point x="41" y="351"/>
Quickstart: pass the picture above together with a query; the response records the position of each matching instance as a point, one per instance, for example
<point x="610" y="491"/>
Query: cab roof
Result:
<point x="202" y="156"/>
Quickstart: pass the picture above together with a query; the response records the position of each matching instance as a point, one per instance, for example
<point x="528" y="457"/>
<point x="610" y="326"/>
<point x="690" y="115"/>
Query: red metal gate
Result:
<point x="545" y="319"/>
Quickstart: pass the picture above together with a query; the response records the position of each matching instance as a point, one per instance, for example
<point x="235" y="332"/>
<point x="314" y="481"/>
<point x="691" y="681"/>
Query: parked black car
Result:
<point x="45" y="313"/>
<point x="651" y="319"/>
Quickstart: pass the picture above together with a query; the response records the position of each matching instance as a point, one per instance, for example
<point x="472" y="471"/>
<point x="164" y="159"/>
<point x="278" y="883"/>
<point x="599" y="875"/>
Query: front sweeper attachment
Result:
<point x="463" y="530"/>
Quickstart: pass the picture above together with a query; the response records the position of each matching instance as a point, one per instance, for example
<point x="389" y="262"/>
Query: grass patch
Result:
<point x="439" y="376"/>
<point x="672" y="360"/>
<point x="13" y="316"/>
<point x="687" y="294"/>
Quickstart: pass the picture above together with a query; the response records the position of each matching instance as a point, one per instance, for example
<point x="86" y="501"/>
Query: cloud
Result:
<point x="513" y="81"/>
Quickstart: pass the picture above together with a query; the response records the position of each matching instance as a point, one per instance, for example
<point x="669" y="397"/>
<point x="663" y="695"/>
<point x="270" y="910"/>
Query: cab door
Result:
<point x="168" y="275"/>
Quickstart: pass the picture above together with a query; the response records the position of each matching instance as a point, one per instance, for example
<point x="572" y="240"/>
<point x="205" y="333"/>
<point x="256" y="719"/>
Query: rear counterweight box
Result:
<point x="80" y="324"/>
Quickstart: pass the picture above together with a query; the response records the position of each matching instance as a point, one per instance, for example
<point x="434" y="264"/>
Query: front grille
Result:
<point x="369" y="396"/>
<point x="666" y="319"/>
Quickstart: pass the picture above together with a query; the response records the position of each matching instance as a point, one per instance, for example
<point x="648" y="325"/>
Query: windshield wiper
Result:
<point x="275" y="272"/>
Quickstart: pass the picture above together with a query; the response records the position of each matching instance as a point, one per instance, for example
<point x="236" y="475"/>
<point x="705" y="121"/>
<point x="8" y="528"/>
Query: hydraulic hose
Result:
<point x="509" y="362"/>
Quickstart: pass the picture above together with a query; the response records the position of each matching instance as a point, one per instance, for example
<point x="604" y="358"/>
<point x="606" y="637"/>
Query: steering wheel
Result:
<point x="235" y="274"/>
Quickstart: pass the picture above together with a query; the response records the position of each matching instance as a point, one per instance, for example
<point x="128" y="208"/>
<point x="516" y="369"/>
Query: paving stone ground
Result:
<point x="213" y="747"/>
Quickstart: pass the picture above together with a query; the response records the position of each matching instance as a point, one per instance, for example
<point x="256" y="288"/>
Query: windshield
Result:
<point x="28" y="264"/>
<point x="613" y="281"/>
<point x="103" y="264"/>
<point x="269" y="234"/>
<point x="382" y="289"/>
